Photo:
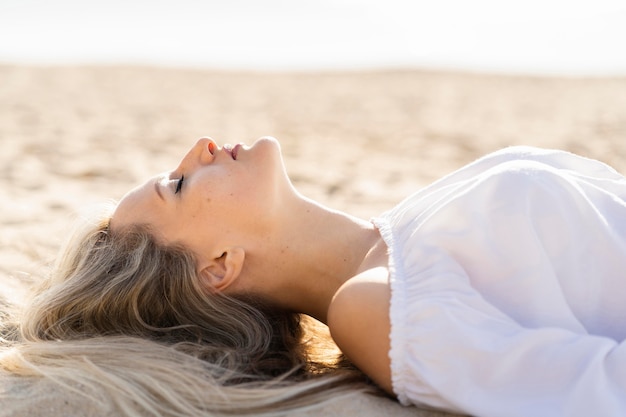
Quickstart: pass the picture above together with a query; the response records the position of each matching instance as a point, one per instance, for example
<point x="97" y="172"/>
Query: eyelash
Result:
<point x="179" y="184"/>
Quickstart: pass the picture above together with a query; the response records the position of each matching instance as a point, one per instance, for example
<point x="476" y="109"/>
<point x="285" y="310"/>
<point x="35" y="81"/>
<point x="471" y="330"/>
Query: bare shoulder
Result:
<point x="358" y="319"/>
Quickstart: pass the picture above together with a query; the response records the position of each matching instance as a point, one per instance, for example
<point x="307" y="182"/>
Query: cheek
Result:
<point x="197" y="233"/>
<point x="224" y="198"/>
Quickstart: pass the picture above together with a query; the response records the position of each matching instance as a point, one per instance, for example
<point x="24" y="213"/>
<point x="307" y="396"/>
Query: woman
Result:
<point x="497" y="290"/>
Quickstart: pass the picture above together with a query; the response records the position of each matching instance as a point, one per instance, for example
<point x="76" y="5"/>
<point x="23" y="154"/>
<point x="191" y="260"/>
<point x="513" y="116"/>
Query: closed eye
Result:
<point x="179" y="184"/>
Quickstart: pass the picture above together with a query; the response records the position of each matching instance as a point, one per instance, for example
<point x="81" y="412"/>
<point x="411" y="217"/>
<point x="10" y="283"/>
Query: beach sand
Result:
<point x="73" y="137"/>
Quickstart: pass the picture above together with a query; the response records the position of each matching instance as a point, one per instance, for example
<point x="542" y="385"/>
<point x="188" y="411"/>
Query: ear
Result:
<point x="221" y="272"/>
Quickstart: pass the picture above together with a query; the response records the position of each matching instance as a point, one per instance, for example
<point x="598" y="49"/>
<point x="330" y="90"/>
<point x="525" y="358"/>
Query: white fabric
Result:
<point x="508" y="282"/>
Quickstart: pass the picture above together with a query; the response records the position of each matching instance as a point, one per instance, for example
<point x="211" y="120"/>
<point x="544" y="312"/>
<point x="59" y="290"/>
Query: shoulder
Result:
<point x="358" y="319"/>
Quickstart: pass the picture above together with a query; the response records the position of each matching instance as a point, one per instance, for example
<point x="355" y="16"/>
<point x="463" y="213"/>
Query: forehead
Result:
<point x="139" y="205"/>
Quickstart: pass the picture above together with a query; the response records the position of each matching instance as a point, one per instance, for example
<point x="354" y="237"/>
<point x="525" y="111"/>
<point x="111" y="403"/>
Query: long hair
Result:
<point x="124" y="312"/>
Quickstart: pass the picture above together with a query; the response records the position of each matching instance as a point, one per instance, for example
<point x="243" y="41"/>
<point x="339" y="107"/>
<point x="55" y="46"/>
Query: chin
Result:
<point x="267" y="141"/>
<point x="269" y="148"/>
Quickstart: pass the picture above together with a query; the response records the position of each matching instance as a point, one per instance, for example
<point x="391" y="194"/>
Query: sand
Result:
<point x="73" y="137"/>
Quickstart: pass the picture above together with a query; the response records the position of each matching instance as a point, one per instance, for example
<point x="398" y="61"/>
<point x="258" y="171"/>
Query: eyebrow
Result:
<point x="158" y="190"/>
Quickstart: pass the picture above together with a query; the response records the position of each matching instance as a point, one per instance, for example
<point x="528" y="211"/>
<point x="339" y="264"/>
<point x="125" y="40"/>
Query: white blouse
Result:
<point x="508" y="281"/>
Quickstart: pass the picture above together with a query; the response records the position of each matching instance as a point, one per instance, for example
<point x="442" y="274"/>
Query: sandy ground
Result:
<point x="73" y="137"/>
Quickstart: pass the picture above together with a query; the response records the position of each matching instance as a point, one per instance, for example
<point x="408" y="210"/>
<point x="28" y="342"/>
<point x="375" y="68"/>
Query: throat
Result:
<point x="310" y="253"/>
<point x="326" y="263"/>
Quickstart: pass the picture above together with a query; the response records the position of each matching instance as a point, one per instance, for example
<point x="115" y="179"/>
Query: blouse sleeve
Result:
<point x="481" y="362"/>
<point x="461" y="352"/>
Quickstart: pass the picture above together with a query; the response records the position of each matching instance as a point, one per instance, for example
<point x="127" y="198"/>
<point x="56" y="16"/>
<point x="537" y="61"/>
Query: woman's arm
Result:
<point x="483" y="365"/>
<point x="358" y="319"/>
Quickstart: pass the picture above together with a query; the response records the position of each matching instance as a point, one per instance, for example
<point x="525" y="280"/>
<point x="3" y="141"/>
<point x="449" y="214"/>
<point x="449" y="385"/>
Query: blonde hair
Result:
<point x="126" y="313"/>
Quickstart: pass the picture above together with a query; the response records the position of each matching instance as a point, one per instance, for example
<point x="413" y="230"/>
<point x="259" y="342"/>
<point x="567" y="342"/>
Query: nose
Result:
<point x="206" y="144"/>
<point x="203" y="152"/>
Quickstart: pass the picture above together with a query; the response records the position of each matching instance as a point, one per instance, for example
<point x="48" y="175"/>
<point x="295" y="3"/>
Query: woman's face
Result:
<point x="216" y="196"/>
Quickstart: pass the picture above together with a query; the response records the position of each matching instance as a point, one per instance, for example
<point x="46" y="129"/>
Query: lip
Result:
<point x="228" y="148"/>
<point x="235" y="151"/>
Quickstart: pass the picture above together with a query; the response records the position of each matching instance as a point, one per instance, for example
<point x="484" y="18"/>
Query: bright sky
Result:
<point x="536" y="36"/>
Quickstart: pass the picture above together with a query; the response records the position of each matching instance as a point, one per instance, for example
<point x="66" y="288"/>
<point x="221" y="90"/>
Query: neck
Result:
<point x="320" y="249"/>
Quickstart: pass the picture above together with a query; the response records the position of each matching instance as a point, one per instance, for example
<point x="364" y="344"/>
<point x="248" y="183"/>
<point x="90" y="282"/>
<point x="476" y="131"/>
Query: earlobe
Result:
<point x="221" y="272"/>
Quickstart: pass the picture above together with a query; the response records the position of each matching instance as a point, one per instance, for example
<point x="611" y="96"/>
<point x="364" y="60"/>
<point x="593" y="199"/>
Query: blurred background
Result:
<point x="579" y="37"/>
<point x="371" y="100"/>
